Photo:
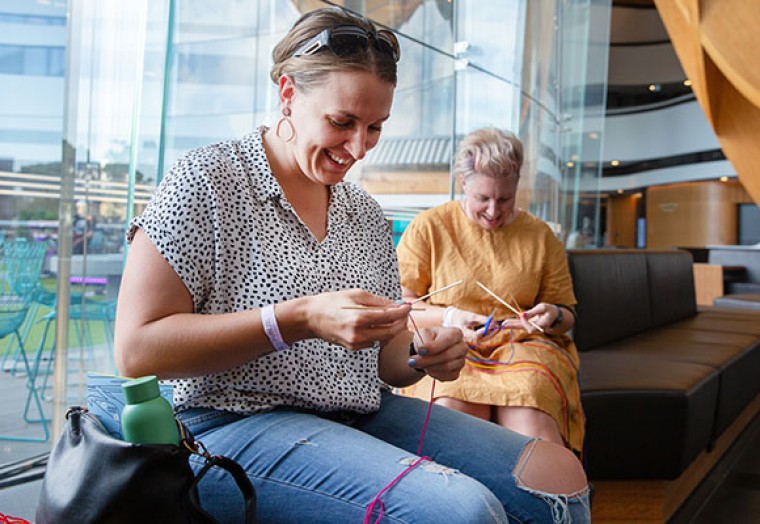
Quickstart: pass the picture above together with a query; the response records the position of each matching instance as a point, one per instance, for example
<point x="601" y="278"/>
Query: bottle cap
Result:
<point x="141" y="389"/>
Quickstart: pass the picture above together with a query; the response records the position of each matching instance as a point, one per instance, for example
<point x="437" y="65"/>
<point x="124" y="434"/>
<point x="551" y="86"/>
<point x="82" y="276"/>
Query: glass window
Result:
<point x="31" y="60"/>
<point x="150" y="80"/>
<point x="11" y="59"/>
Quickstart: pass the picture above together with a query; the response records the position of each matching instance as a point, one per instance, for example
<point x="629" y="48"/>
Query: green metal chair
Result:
<point x="20" y="267"/>
<point x="80" y="311"/>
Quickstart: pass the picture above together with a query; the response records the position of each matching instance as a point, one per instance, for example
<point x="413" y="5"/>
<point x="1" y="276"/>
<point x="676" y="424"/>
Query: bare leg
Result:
<point x="529" y="421"/>
<point x="550" y="468"/>
<point x="476" y="410"/>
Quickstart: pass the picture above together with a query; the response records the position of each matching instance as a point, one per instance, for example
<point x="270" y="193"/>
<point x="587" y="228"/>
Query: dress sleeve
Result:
<point x="414" y="256"/>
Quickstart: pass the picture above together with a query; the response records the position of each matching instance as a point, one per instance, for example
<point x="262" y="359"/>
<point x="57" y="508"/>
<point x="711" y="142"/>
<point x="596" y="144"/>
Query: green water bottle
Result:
<point x="147" y="417"/>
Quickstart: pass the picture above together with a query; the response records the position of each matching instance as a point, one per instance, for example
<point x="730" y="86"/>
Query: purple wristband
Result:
<point x="272" y="330"/>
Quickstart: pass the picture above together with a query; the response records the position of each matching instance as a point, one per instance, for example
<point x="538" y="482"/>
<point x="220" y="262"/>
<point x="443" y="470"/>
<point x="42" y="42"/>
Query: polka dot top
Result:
<point x="222" y="222"/>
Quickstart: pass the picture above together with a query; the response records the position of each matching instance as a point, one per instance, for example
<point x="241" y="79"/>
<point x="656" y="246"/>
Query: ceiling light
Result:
<point x="570" y="164"/>
<point x="619" y="191"/>
<point x="615" y="162"/>
<point x="593" y="135"/>
<point x="723" y="179"/>
<point x="687" y="82"/>
<point x="654" y="87"/>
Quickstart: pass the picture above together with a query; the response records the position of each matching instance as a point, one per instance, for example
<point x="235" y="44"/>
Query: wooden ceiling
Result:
<point x="717" y="42"/>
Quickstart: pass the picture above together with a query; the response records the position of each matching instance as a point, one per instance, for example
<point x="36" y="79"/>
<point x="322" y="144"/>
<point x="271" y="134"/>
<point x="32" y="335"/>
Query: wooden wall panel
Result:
<point x="708" y="283"/>
<point x="692" y="215"/>
<point x="621" y="220"/>
<point x="405" y="182"/>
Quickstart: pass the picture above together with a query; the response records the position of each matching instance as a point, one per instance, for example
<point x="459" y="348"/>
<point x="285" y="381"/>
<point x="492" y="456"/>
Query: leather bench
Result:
<point x="660" y="379"/>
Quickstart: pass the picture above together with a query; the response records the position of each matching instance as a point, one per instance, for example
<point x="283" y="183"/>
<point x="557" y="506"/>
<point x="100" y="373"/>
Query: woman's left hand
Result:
<point x="542" y="315"/>
<point x="440" y="353"/>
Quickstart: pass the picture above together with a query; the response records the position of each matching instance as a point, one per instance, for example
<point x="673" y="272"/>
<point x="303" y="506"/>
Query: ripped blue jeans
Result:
<point x="311" y="468"/>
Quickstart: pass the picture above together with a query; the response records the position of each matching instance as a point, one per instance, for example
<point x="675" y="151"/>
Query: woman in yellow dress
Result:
<point x="522" y="373"/>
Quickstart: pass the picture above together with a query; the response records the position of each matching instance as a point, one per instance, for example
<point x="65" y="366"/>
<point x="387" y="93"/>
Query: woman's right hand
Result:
<point x="355" y="318"/>
<point x="467" y="321"/>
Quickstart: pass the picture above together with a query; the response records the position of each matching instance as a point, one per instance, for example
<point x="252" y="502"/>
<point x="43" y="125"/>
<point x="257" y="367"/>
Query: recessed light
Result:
<point x="723" y="179"/>
<point x="593" y="135"/>
<point x="620" y="191"/>
<point x="570" y="164"/>
<point x="615" y="162"/>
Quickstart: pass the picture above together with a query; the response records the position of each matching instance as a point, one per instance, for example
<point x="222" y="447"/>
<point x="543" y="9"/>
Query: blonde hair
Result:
<point x="309" y="70"/>
<point x="491" y="152"/>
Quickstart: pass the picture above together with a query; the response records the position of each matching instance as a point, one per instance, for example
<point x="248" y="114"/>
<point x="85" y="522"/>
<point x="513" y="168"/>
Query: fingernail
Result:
<point x="412" y="363"/>
<point x="422" y="351"/>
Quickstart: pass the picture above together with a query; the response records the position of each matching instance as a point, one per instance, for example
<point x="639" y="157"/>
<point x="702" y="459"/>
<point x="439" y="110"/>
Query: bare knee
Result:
<point x="550" y="468"/>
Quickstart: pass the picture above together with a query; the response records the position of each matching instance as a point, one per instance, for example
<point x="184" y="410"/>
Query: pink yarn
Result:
<point x="376" y="500"/>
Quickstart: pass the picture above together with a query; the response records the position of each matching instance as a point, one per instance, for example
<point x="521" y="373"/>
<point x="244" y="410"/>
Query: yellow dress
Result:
<point x="524" y="264"/>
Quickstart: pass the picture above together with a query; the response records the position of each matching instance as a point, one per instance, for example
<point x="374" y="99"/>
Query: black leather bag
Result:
<point x="92" y="477"/>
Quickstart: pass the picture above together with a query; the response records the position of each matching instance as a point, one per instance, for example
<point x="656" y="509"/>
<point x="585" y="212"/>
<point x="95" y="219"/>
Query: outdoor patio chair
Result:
<point x="20" y="266"/>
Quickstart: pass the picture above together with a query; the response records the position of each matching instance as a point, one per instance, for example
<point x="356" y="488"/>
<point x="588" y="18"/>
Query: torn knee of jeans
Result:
<point x="559" y="504"/>
<point x="520" y="468"/>
<point x="429" y="466"/>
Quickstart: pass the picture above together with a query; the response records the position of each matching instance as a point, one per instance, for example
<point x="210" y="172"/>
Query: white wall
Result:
<point x="660" y="133"/>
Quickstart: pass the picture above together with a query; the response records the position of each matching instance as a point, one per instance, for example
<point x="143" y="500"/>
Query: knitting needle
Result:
<point x="378" y="307"/>
<point x="516" y="312"/>
<point x="423" y="297"/>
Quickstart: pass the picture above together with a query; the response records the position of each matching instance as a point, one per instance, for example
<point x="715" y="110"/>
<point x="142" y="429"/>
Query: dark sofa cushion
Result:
<point x="612" y="291"/>
<point x="671" y="286"/>
<point x="735" y="356"/>
<point x="646" y="417"/>
<point x="730" y="321"/>
<point x="739" y="385"/>
<point x="739" y="382"/>
<point x="716" y="350"/>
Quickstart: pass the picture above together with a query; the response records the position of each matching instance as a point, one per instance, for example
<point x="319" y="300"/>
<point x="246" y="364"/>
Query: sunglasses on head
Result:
<point x="346" y="40"/>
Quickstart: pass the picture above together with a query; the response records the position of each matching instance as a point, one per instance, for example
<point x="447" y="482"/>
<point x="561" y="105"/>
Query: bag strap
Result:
<point x="196" y="447"/>
<point x="241" y="479"/>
